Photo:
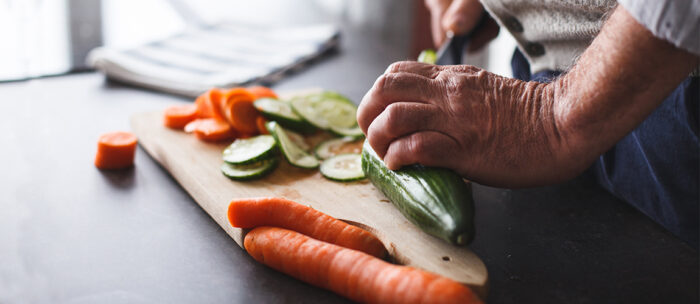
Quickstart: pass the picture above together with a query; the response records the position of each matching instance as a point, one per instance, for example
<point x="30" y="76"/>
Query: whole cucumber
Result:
<point x="437" y="200"/>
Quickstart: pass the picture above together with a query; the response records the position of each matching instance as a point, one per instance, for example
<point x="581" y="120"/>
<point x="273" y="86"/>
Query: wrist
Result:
<point x="572" y="120"/>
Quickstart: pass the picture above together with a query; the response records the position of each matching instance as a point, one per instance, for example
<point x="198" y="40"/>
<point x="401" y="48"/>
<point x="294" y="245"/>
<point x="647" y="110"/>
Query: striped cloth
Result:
<point x="225" y="55"/>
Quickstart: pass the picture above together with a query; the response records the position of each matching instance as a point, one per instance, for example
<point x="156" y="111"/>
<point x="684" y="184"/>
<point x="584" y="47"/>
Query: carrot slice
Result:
<point x="203" y="110"/>
<point x="260" y="92"/>
<point x="260" y="123"/>
<point x="350" y="273"/>
<point x="280" y="212"/>
<point x="115" y="150"/>
<point x="178" y="116"/>
<point x="209" y="104"/>
<point x="239" y="111"/>
<point x="210" y="129"/>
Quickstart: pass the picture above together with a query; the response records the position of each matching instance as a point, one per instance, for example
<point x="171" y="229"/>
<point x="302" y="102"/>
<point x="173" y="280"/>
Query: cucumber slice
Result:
<point x="294" y="155"/>
<point x="336" y="146"/>
<point x="343" y="168"/>
<point x="281" y="112"/>
<point x="249" y="150"/>
<point x="354" y="132"/>
<point x="249" y="171"/>
<point x="325" y="110"/>
<point x="298" y="140"/>
<point x="427" y="56"/>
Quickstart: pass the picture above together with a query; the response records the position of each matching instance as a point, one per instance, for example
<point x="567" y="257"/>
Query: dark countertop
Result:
<point x="70" y="233"/>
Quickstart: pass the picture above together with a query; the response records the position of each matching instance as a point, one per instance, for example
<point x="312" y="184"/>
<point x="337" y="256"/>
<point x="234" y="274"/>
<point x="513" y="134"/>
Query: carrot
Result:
<point x="260" y="92"/>
<point x="238" y="110"/>
<point x="115" y="150"/>
<point x="178" y="116"/>
<point x="260" y="123"/>
<point x="245" y="135"/>
<point x="280" y="212"/>
<point x="203" y="110"/>
<point x="209" y="104"/>
<point x="350" y="273"/>
<point x="210" y="129"/>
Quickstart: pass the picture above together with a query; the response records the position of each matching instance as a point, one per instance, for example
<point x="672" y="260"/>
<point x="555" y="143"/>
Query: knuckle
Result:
<point x="395" y="67"/>
<point x="385" y="83"/>
<point x="393" y="115"/>
<point x="456" y="87"/>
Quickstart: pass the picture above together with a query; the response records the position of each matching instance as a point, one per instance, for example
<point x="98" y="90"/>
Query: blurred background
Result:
<point x="53" y="37"/>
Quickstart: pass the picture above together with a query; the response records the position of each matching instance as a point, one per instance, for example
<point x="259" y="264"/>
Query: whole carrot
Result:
<point x="280" y="212"/>
<point x="350" y="273"/>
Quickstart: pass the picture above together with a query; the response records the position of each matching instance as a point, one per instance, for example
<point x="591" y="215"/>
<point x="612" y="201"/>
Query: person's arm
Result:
<point x="506" y="132"/>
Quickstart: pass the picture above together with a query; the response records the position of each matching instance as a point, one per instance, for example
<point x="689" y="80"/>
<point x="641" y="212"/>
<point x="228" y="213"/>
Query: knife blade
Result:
<point x="453" y="48"/>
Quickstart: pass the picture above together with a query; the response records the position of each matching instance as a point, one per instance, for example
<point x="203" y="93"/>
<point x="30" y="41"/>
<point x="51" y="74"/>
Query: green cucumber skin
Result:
<point x="298" y="126"/>
<point x="261" y="174"/>
<point x="437" y="200"/>
<point x="268" y="154"/>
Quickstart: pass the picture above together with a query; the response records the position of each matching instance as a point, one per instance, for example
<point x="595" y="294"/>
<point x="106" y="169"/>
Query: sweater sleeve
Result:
<point x="676" y="21"/>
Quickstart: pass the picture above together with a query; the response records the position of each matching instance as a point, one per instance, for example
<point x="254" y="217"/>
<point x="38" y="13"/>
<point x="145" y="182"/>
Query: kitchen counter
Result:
<point x="70" y="233"/>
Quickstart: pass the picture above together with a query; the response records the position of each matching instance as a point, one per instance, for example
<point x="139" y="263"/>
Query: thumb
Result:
<point x="462" y="16"/>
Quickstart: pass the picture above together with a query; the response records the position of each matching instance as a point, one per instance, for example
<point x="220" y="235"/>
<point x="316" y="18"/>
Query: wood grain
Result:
<point x="196" y="166"/>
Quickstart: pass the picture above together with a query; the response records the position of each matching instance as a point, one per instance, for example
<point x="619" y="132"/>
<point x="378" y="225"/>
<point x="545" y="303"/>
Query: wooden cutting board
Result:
<point x="196" y="166"/>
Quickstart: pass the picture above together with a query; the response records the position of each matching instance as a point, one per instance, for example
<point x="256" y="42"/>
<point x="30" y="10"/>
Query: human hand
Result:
<point x="487" y="128"/>
<point x="460" y="17"/>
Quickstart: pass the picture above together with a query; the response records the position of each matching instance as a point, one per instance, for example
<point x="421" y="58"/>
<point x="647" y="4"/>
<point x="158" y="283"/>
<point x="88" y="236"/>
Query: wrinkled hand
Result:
<point x="489" y="129"/>
<point x="460" y="17"/>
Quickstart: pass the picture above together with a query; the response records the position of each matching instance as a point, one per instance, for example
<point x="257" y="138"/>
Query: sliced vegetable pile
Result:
<point x="323" y="251"/>
<point x="262" y="126"/>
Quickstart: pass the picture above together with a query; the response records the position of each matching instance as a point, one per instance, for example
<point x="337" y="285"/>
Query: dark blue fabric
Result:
<point x="656" y="167"/>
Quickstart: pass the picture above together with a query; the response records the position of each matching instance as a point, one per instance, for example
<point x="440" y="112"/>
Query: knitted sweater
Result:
<point x="552" y="34"/>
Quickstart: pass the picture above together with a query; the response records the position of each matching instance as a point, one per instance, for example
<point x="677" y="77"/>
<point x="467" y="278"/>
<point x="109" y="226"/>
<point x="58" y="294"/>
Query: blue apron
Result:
<point x="656" y="167"/>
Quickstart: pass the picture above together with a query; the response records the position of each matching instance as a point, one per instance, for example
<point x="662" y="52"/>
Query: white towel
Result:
<point x="224" y="55"/>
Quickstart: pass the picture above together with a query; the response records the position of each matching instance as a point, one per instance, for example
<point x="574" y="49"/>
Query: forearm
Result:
<point x="506" y="132"/>
<point x="618" y="81"/>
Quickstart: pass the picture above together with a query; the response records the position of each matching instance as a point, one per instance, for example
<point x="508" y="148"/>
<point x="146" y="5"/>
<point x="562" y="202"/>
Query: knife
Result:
<point x="453" y="48"/>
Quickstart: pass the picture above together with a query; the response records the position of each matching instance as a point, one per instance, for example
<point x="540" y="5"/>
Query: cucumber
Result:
<point x="294" y="155"/>
<point x="329" y="148"/>
<point x="249" y="171"/>
<point x="427" y="56"/>
<point x="437" y="200"/>
<point x="343" y="168"/>
<point x="325" y="110"/>
<point x="298" y="140"/>
<point x="281" y="112"/>
<point x="354" y="132"/>
<point x="250" y="150"/>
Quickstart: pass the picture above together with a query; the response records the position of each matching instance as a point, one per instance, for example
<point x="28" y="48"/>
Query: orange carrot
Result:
<point x="260" y="92"/>
<point x="260" y="123"/>
<point x="178" y="116"/>
<point x="209" y="104"/>
<point x="350" y="273"/>
<point x="245" y="135"/>
<point x="115" y="150"/>
<point x="280" y="212"/>
<point x="239" y="111"/>
<point x="210" y="129"/>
